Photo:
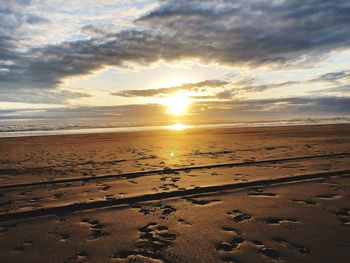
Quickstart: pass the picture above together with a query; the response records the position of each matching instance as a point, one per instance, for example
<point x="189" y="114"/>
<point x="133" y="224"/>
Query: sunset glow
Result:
<point x="162" y="130"/>
<point x="177" y="104"/>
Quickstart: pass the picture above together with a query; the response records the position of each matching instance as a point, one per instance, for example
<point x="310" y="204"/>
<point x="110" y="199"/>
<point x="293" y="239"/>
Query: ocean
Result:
<point x="38" y="127"/>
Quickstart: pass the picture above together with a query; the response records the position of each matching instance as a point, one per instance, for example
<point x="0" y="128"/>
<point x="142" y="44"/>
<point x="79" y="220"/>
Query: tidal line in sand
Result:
<point x="70" y="208"/>
<point x="131" y="175"/>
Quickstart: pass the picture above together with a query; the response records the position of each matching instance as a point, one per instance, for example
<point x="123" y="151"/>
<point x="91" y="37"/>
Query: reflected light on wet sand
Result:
<point x="179" y="127"/>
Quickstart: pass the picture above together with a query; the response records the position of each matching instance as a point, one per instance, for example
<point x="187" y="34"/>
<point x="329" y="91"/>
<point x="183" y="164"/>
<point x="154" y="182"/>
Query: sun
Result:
<point x="177" y="104"/>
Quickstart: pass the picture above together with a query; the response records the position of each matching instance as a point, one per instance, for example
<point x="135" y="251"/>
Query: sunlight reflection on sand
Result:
<point x="179" y="127"/>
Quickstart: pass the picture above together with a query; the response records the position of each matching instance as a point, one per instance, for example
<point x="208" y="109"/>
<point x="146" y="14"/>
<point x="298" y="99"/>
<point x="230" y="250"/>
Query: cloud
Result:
<point x="253" y="31"/>
<point x="280" y="107"/>
<point x="231" y="33"/>
<point x="14" y="15"/>
<point x="207" y="111"/>
<point x="344" y="89"/>
<point x="34" y="19"/>
<point x="335" y="76"/>
<point x="170" y="90"/>
<point x="337" y="82"/>
<point x="54" y="96"/>
<point x="13" y="62"/>
<point x="225" y="32"/>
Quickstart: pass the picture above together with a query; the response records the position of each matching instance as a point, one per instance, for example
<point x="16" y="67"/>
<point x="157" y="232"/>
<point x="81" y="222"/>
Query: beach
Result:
<point x="255" y="194"/>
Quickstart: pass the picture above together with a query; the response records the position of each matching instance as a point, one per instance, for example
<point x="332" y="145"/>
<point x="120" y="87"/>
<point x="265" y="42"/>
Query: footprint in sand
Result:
<point x="306" y="201"/>
<point x="64" y="237"/>
<point x="300" y="249"/>
<point x="197" y="201"/>
<point x="154" y="240"/>
<point x="163" y="211"/>
<point x="328" y="196"/>
<point x="110" y="197"/>
<point x="183" y="221"/>
<point x="96" y="228"/>
<point x="169" y="186"/>
<point x="262" y="194"/>
<point x="230" y="259"/>
<point x="230" y="245"/>
<point x="143" y="210"/>
<point x="232" y="230"/>
<point x="277" y="220"/>
<point x="103" y="187"/>
<point x="80" y="257"/>
<point x="18" y="249"/>
<point x="57" y="195"/>
<point x="239" y="216"/>
<point x="269" y="252"/>
<point x="24" y="193"/>
<point x="227" y="248"/>
<point x="344" y="216"/>
<point x="266" y="251"/>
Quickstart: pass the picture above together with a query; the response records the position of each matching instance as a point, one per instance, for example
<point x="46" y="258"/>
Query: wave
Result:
<point x="38" y="129"/>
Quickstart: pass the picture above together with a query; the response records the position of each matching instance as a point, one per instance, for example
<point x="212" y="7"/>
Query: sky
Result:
<point x="125" y="61"/>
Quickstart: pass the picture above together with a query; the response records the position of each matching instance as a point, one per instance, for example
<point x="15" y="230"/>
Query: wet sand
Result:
<point x="267" y="194"/>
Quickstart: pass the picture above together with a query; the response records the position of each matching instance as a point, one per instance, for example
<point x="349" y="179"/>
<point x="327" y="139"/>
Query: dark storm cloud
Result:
<point x="225" y="32"/>
<point x="162" y="91"/>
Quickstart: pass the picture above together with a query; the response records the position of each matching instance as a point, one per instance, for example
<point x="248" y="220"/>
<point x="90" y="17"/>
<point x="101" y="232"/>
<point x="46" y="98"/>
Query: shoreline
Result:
<point x="174" y="127"/>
